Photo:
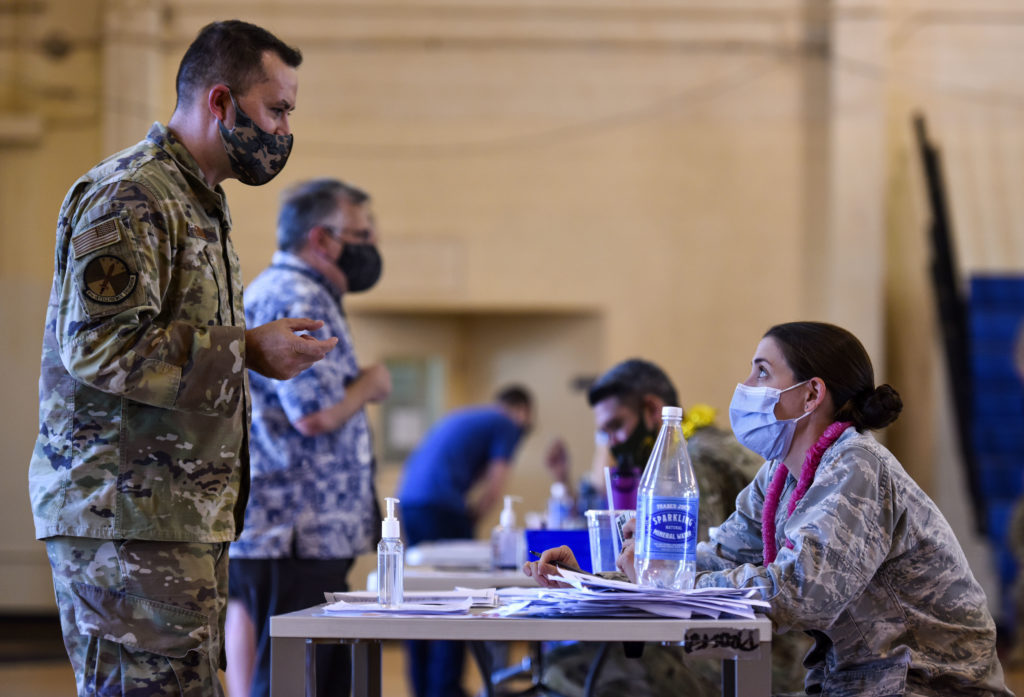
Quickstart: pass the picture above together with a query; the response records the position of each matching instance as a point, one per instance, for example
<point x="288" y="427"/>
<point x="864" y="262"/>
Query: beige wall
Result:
<point x="561" y="185"/>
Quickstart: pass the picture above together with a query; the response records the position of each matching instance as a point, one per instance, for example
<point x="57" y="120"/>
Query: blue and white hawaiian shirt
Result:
<point x="311" y="496"/>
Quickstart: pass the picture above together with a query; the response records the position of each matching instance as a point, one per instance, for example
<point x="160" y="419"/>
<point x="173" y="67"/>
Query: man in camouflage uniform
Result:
<point x="140" y="472"/>
<point x="312" y="506"/>
<point x="627" y="402"/>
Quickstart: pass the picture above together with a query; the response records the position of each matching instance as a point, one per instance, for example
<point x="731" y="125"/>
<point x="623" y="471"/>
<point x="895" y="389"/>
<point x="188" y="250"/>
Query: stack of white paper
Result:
<point x="481" y="597"/>
<point x="457" y="601"/>
<point x="593" y="596"/>
<point x="450" y="554"/>
<point x="448" y="607"/>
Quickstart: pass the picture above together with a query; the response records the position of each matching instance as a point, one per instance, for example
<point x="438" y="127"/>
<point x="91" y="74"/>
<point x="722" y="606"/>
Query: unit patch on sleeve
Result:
<point x="105" y="234"/>
<point x="106" y="279"/>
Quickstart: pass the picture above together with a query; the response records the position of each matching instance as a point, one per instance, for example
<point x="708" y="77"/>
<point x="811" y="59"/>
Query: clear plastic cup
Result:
<point x="605" y="542"/>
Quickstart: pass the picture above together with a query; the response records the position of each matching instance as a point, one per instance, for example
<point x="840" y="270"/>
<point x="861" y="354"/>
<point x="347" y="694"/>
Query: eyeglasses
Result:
<point x="349" y="234"/>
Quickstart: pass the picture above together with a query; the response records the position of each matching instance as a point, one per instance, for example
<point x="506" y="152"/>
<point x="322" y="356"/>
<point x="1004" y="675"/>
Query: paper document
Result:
<point x="448" y="607"/>
<point x="480" y="597"/>
<point x="594" y="596"/>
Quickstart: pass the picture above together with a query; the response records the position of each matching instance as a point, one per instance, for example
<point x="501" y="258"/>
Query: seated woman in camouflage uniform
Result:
<point x="838" y="537"/>
<point x="627" y="401"/>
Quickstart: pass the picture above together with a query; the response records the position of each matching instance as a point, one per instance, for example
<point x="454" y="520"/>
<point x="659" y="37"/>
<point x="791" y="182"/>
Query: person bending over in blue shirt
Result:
<point x="453" y="479"/>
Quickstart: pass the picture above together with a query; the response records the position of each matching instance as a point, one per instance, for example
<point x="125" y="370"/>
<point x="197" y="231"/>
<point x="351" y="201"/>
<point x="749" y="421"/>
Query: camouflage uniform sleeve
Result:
<point x="738" y="538"/>
<point x="716" y="456"/>
<point x="130" y="321"/>
<point x="840" y="530"/>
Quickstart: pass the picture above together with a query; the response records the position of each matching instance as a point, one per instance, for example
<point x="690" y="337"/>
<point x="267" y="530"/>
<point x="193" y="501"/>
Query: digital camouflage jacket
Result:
<point x="876" y="576"/>
<point x="143" y="394"/>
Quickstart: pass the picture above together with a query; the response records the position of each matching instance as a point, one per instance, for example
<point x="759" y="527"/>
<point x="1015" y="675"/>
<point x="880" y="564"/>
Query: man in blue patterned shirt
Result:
<point x="312" y="506"/>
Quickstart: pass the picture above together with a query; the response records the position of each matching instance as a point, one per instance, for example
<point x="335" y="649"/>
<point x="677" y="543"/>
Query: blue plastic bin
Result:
<point x="577" y="540"/>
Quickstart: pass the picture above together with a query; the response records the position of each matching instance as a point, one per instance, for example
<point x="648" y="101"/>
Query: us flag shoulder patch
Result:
<point x="103" y="235"/>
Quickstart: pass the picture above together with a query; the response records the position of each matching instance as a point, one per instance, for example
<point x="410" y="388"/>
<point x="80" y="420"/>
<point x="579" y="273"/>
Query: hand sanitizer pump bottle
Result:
<point x="390" y="560"/>
<point x="507" y="543"/>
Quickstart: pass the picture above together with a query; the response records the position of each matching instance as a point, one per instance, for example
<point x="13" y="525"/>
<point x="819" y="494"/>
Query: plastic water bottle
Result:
<point x="559" y="507"/>
<point x="588" y="498"/>
<point x="390" y="560"/>
<point x="666" y="515"/>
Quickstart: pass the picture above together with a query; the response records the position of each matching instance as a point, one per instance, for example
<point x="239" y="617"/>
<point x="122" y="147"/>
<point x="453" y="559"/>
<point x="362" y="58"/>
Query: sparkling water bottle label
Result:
<point x="671" y="524"/>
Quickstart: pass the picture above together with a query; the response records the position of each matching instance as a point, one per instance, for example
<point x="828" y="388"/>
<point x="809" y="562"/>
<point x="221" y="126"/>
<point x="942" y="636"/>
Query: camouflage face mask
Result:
<point x="256" y="156"/>
<point x="632" y="454"/>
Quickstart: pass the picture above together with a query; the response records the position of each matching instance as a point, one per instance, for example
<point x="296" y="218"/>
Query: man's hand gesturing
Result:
<point x="275" y="350"/>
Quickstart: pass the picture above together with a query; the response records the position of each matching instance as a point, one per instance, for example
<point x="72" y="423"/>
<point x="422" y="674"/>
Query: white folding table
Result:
<point x="743" y="646"/>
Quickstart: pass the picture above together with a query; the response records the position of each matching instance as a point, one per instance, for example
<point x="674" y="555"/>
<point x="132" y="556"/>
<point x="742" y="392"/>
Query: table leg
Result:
<point x="366" y="665"/>
<point x="285" y="654"/>
<point x="590" y="684"/>
<point x="747" y="677"/>
<point x="483" y="663"/>
<point x="310" y="668"/>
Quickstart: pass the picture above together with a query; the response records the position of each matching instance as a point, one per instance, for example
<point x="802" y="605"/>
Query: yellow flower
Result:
<point x="697" y="417"/>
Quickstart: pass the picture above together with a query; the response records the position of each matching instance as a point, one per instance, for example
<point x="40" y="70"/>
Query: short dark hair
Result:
<point x="514" y="396"/>
<point x="822" y="350"/>
<point x="229" y="52"/>
<point x="630" y="380"/>
<point x="307" y="204"/>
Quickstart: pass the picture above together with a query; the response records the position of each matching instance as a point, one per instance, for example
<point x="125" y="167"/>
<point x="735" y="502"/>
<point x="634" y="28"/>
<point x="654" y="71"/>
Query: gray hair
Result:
<point x="306" y="205"/>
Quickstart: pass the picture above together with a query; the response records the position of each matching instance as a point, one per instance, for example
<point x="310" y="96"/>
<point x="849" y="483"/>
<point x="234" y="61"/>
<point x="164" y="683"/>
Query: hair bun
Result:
<point x="878" y="408"/>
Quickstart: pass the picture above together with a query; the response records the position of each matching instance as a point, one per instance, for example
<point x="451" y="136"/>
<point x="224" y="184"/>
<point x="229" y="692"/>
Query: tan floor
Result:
<point x="55" y="679"/>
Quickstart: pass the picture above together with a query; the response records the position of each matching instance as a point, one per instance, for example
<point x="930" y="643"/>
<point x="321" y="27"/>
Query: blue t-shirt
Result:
<point x="454" y="455"/>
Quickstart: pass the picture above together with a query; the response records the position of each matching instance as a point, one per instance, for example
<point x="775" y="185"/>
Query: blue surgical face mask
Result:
<point x="752" y="415"/>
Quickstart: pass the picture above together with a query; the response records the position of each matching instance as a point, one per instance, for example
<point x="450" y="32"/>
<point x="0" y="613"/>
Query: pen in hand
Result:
<point x="558" y="564"/>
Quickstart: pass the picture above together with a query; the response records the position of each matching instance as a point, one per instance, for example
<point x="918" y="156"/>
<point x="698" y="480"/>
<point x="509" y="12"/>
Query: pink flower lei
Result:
<point x="774" y="493"/>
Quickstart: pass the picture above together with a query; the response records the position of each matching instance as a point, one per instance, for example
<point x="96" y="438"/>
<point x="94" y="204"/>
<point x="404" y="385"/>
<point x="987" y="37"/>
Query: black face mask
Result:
<point x="632" y="454"/>
<point x="362" y="265"/>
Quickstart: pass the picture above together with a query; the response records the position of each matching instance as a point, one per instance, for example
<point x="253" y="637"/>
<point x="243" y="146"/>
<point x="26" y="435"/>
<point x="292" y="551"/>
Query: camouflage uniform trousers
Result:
<point x="141" y="618"/>
<point x="1016" y="543"/>
<point x="664" y="671"/>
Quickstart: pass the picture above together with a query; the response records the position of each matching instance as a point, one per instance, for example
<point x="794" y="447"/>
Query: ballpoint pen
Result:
<point x="560" y="565"/>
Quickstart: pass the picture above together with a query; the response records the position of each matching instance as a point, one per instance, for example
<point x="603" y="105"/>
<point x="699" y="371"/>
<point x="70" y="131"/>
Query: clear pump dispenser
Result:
<point x="507" y="542"/>
<point x="390" y="560"/>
